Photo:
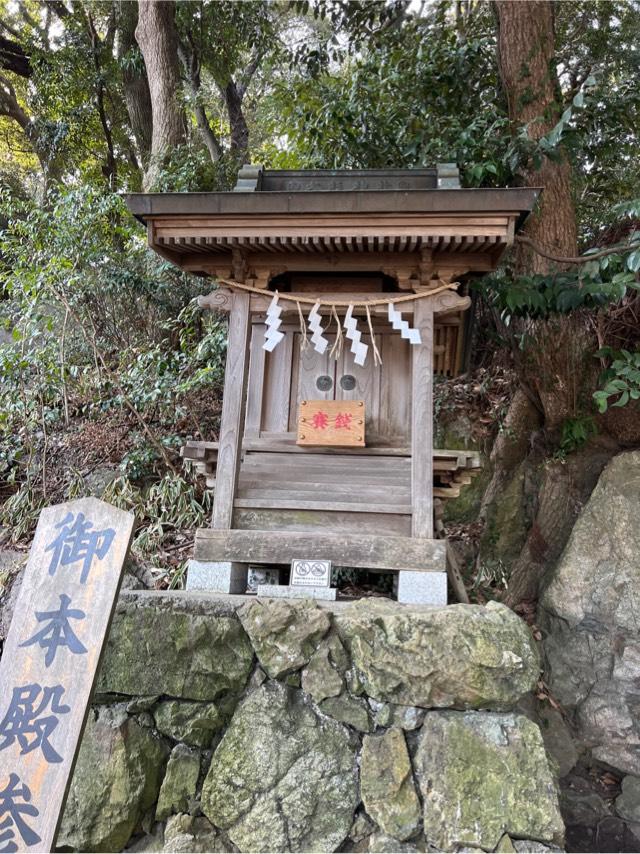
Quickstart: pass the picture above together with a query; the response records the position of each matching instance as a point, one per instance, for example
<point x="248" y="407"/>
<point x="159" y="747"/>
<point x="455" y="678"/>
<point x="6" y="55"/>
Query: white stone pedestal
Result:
<point x="221" y="576"/>
<point x="421" y="588"/>
<point x="288" y="591"/>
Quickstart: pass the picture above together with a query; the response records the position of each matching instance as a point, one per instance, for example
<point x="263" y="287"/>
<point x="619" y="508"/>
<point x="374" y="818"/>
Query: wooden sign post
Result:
<point x="50" y="662"/>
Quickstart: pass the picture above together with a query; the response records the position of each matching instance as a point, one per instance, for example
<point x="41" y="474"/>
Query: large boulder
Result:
<point x="186" y="647"/>
<point x="116" y="780"/>
<point x="462" y="656"/>
<point x="483" y="775"/>
<point x="588" y="614"/>
<point x="283" y="778"/>
<point x="285" y="633"/>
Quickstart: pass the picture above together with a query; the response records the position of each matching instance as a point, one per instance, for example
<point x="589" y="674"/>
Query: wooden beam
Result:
<point x="300" y="501"/>
<point x="357" y="550"/>
<point x="256" y="384"/>
<point x="455" y="576"/>
<point x="220" y="299"/>
<point x="233" y="405"/>
<point x="422" y="423"/>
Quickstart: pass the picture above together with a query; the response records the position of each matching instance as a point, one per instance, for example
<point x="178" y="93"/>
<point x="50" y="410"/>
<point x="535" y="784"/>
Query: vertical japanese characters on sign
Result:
<point x="50" y="662"/>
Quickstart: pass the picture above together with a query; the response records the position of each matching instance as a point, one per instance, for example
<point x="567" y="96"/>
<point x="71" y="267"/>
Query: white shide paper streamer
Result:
<point x="272" y="337"/>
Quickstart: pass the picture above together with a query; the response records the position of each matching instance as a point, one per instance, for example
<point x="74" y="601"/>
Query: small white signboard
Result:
<point x="311" y="573"/>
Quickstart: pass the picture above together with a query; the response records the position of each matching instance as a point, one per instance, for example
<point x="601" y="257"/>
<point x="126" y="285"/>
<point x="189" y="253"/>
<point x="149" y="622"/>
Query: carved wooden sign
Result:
<point x="334" y="423"/>
<point x="50" y="662"/>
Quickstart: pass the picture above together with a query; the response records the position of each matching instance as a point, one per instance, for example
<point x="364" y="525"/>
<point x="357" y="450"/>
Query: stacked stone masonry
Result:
<point x="236" y="724"/>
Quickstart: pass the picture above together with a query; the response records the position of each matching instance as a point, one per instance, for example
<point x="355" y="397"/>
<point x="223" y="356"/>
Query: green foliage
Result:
<point x="169" y="504"/>
<point x="575" y="433"/>
<point x="189" y="169"/>
<point x="591" y="285"/>
<point x="411" y="95"/>
<point x="96" y="323"/>
<point x="621" y="380"/>
<point x="21" y="510"/>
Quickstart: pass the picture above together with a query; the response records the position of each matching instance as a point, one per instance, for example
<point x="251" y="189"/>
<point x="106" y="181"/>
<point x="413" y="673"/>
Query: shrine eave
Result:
<point x="514" y="201"/>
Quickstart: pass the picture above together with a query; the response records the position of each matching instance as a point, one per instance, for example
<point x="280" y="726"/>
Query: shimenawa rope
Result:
<point x="446" y="286"/>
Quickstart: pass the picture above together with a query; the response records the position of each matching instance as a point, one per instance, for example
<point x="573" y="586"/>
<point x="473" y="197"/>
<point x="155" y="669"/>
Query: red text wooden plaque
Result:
<point x="50" y="662"/>
<point x="334" y="423"/>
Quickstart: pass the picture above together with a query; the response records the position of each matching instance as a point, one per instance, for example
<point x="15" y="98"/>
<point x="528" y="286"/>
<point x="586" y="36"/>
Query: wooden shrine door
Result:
<point x="278" y="381"/>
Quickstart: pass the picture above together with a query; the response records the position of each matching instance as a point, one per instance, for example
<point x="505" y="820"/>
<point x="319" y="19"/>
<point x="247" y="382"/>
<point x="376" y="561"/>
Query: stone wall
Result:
<point x="238" y="724"/>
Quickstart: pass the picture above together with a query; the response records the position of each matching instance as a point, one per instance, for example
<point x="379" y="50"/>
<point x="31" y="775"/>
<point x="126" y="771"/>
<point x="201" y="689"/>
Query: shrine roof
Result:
<point x="340" y="191"/>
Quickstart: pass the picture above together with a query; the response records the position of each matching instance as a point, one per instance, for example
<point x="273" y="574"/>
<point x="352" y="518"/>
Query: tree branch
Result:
<point x="59" y="8"/>
<point x="13" y="57"/>
<point x="109" y="169"/>
<point x="191" y="65"/>
<point x="11" y="30"/>
<point x="576" y="259"/>
<point x="10" y="107"/>
<point x="248" y="72"/>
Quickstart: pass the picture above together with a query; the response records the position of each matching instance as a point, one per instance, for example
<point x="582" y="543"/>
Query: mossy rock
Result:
<point x="285" y="634"/>
<point x="483" y="775"/>
<point x="116" y="780"/>
<point x="176" y="653"/>
<point x="462" y="656"/>
<point x="386" y="784"/>
<point x="180" y="781"/>
<point x="283" y="778"/>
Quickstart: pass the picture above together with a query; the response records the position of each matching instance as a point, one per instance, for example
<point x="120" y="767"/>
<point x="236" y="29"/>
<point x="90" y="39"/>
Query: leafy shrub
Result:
<point x="576" y="432"/>
<point x="620" y="380"/>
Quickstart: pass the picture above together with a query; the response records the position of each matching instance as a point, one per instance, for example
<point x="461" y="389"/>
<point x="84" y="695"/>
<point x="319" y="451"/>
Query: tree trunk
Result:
<point x="156" y="35"/>
<point x="136" y="86"/>
<point x="526" y="60"/>
<point x="233" y="97"/>
<point x="526" y="50"/>
<point x="191" y="64"/>
<point x="565" y="489"/>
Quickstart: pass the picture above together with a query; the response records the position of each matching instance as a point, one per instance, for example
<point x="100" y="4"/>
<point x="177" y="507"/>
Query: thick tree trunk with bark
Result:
<point x="156" y="35"/>
<point x="549" y="368"/>
<point x="136" y="86"/>
<point x="233" y="96"/>
<point x="526" y="51"/>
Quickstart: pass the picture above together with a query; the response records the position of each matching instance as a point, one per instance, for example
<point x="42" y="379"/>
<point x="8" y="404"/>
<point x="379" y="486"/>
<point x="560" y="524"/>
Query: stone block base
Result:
<point x="287" y="591"/>
<point x="221" y="576"/>
<point x="421" y="588"/>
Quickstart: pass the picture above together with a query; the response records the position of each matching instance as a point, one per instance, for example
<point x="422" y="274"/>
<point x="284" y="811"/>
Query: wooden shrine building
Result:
<point x="346" y="291"/>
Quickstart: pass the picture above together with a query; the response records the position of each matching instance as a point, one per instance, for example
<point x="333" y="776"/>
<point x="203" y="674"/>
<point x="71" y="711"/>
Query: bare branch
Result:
<point x="11" y="30"/>
<point x="577" y="259"/>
